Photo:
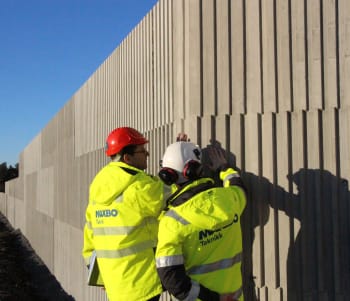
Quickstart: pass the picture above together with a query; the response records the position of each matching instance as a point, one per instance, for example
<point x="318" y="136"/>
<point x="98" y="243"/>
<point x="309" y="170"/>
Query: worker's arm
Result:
<point x="178" y="284"/>
<point x="218" y="163"/>
<point x="170" y="265"/>
<point x="88" y="246"/>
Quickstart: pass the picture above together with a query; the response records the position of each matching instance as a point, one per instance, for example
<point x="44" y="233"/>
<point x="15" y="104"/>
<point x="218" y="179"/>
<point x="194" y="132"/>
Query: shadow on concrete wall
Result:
<point x="317" y="206"/>
<point x="23" y="275"/>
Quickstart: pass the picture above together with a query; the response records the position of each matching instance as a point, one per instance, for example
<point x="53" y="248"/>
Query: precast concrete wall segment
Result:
<point x="3" y="203"/>
<point x="140" y="86"/>
<point x="343" y="51"/>
<point x="298" y="55"/>
<point x="68" y="264"/>
<point x="266" y="80"/>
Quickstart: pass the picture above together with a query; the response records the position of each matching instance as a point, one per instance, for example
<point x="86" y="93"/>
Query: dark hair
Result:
<point x="129" y="149"/>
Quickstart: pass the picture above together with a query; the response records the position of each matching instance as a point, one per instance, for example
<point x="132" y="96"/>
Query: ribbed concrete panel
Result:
<point x="344" y="51"/>
<point x="45" y="191"/>
<point x="94" y="294"/>
<point x="169" y="57"/>
<point x="296" y="263"/>
<point x="145" y="72"/>
<point x="19" y="215"/>
<point x="66" y="207"/>
<point x="238" y="66"/>
<point x="83" y="180"/>
<point x="312" y="231"/>
<point x="298" y="29"/>
<point x="152" y="152"/>
<point x="267" y="214"/>
<point x="251" y="218"/>
<point x="253" y="56"/>
<point x="40" y="233"/>
<point x="281" y="200"/>
<point x="138" y="103"/>
<point x="192" y="57"/>
<point x="329" y="22"/>
<point x="344" y="129"/>
<point x="32" y="156"/>
<point x="15" y="187"/>
<point x="49" y="144"/>
<point x="313" y="45"/>
<point x="236" y="129"/>
<point x="3" y="205"/>
<point x="268" y="80"/>
<point x="283" y="65"/>
<point x="344" y="197"/>
<point x="165" y="297"/>
<point x="192" y="127"/>
<point x="178" y="59"/>
<point x="31" y="190"/>
<point x="223" y="71"/>
<point x="222" y="132"/>
<point x="333" y="205"/>
<point x="11" y="209"/>
<point x="128" y="81"/>
<point x="208" y="58"/>
<point x="158" y="66"/>
<point x="268" y="62"/>
<point x="69" y="270"/>
<point x="206" y="131"/>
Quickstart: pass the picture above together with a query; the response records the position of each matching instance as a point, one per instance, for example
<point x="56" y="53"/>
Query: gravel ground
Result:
<point x="23" y="275"/>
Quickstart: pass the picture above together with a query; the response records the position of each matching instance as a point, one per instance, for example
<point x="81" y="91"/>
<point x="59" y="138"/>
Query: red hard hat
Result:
<point x="121" y="137"/>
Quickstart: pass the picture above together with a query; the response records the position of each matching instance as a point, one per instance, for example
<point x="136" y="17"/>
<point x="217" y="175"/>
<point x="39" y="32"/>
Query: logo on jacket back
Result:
<point x="208" y="236"/>
<point x="106" y="213"/>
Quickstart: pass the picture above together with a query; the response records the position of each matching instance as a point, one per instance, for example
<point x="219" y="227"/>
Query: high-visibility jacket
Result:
<point x="121" y="227"/>
<point x="199" y="249"/>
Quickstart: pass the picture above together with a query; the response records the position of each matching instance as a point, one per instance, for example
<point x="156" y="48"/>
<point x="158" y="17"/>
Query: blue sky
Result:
<point x="48" y="49"/>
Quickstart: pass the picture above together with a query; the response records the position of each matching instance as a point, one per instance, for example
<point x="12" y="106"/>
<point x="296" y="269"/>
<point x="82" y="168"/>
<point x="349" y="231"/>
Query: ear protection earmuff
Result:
<point x="192" y="170"/>
<point x="168" y="175"/>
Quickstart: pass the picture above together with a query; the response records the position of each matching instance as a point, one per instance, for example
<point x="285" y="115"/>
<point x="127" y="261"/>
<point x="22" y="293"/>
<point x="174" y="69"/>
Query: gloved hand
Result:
<point x="217" y="158"/>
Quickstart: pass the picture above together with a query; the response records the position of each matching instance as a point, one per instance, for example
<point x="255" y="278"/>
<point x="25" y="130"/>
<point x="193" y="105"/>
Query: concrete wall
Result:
<point x="269" y="80"/>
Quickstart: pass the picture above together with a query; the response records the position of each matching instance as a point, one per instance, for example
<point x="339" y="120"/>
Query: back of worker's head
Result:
<point x="122" y="138"/>
<point x="181" y="163"/>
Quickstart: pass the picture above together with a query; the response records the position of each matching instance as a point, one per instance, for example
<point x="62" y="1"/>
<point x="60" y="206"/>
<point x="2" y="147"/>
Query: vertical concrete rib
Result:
<point x="253" y="56"/>
<point x="237" y="53"/>
<point x="283" y="55"/>
<point x="222" y="43"/>
<point x="208" y="58"/>
<point x="299" y="59"/>
<point x="344" y="52"/>
<point x="269" y="55"/>
<point x="329" y="51"/>
<point x="314" y="54"/>
<point x="192" y="58"/>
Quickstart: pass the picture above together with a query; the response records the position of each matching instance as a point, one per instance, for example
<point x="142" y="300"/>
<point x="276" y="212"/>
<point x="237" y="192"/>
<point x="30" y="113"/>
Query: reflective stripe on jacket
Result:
<point x="204" y="235"/>
<point x="121" y="225"/>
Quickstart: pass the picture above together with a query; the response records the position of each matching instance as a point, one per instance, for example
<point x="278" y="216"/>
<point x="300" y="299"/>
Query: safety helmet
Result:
<point x="181" y="161"/>
<point x="122" y="137"/>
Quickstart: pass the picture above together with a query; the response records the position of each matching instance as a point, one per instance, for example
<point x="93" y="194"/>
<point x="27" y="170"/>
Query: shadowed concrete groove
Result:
<point x="23" y="275"/>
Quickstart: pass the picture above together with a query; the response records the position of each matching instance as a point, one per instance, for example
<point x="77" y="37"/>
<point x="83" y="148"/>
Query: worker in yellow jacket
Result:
<point x="199" y="249"/>
<point x="121" y="220"/>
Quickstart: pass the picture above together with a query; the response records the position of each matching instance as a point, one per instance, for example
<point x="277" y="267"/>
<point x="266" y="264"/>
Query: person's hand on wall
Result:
<point x="217" y="157"/>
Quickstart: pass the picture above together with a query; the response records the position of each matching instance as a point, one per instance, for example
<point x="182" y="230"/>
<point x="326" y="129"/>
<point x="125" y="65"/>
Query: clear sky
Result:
<point x="48" y="49"/>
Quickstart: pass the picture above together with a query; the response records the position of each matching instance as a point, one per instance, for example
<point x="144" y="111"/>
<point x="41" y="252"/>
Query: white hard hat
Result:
<point x="179" y="153"/>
